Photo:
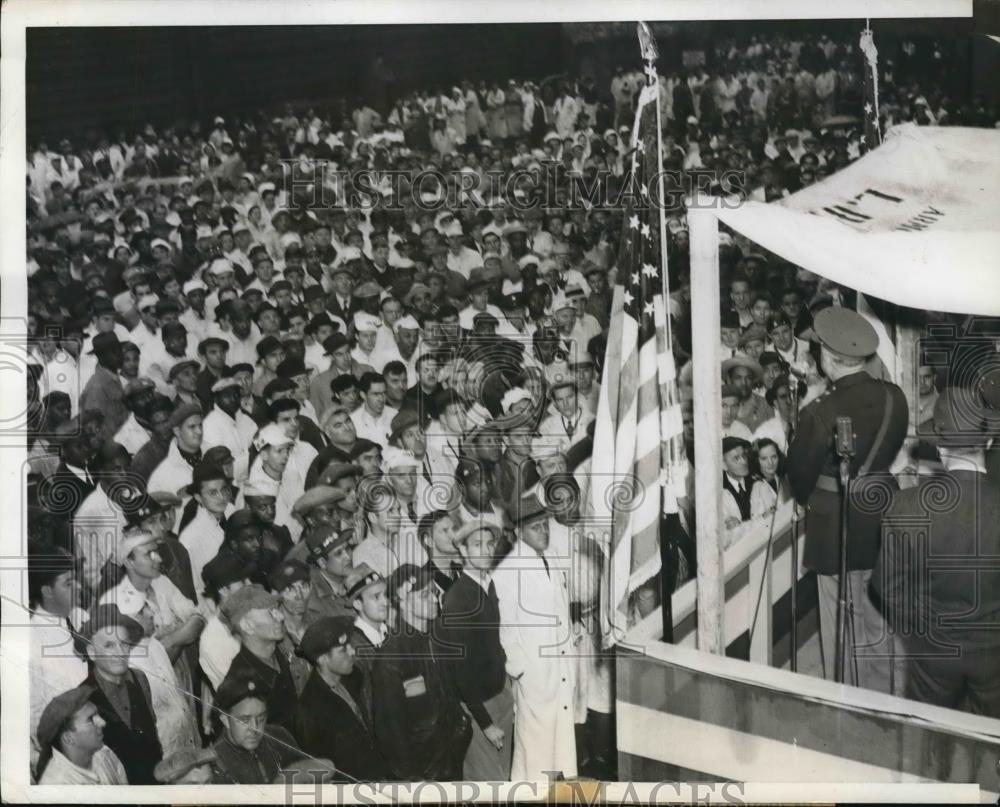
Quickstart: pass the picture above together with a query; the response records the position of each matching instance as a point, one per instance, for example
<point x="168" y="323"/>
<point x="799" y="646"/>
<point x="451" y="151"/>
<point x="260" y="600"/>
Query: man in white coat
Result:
<point x="540" y="644"/>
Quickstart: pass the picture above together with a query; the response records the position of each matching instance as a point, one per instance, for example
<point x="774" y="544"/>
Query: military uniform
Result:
<point x="878" y="411"/>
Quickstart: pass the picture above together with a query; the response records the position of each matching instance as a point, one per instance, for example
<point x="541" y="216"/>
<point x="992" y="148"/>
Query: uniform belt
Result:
<point x="828" y="483"/>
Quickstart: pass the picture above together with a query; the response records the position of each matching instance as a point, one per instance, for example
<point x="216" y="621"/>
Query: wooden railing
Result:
<point x="745" y="566"/>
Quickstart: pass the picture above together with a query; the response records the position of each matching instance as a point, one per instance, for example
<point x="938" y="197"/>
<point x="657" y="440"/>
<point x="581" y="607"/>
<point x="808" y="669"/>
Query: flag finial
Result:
<point x="647" y="43"/>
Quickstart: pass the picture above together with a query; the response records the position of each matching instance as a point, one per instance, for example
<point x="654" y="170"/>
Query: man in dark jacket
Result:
<point x="879" y="418"/>
<point x="468" y="633"/>
<point x="420" y="725"/>
<point x="330" y="722"/>
<point x="935" y="582"/>
<point x="121" y="695"/>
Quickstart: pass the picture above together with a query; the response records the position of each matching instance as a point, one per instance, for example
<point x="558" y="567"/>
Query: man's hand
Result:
<point x="495" y="735"/>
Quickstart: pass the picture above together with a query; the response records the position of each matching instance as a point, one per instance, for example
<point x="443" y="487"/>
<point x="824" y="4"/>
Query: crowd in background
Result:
<point x="287" y="457"/>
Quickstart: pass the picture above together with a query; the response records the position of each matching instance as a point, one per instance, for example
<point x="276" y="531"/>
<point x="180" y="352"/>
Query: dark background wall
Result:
<point x="101" y="78"/>
<point x="81" y="79"/>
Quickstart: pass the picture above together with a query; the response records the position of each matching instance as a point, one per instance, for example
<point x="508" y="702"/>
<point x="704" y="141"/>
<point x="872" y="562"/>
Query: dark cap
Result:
<point x="145" y="507"/>
<point x="205" y="344"/>
<point x="267" y="346"/>
<point x="845" y="332"/>
<point x="239" y="520"/>
<point x="291" y="367"/>
<point x="58" y="713"/>
<point x="361" y="445"/>
<point x="313" y="293"/>
<point x="408" y="577"/>
<point x="242" y="684"/>
<point x="319" y="321"/>
<point x="729" y="319"/>
<point x="334" y="342"/>
<point x="276" y="386"/>
<point x="324" y="634"/>
<point x="528" y="509"/>
<point x="106" y="616"/>
<point x="223" y="570"/>
<point x="730" y="442"/>
<point x="322" y="540"/>
<point x="103" y="342"/>
<point x="402" y="421"/>
<point x="287" y="574"/>
<point x="205" y="472"/>
<point x="218" y="455"/>
<point x="336" y="471"/>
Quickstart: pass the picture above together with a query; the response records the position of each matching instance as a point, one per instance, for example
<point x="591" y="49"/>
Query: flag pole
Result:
<point x="669" y="520"/>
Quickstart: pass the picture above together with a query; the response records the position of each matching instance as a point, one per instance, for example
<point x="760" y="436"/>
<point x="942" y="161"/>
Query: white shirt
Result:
<point x="97" y="528"/>
<point x="375" y="635"/>
<point x="172" y="474"/>
<point x="202" y="538"/>
<point x="219" y="429"/>
<point x="53" y="664"/>
<point x="105" y="769"/>
<point x="131" y="435"/>
<point x="217" y="648"/>
<point x="371" y="427"/>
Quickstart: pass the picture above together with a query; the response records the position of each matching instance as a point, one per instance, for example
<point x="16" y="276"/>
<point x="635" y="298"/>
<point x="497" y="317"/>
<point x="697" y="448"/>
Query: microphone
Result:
<point x="845" y="437"/>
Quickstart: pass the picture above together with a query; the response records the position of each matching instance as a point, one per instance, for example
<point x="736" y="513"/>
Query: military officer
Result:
<point x="879" y="418"/>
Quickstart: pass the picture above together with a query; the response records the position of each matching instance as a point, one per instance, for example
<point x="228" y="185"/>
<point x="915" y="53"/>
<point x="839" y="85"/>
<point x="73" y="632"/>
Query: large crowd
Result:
<point x="304" y="476"/>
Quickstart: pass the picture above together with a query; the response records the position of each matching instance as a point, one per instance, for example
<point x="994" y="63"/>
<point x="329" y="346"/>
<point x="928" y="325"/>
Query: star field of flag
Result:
<point x="640" y="247"/>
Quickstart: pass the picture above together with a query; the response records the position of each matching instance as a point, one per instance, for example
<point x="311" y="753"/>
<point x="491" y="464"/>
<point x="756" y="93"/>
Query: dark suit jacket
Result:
<point x="329" y="728"/>
<point x="62" y="493"/>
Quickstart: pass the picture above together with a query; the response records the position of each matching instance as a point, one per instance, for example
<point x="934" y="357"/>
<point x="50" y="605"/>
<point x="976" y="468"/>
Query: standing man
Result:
<point x="104" y="391"/>
<point x="470" y="624"/>
<point x="879" y="418"/>
<point x="951" y="645"/>
<point x="540" y="646"/>
<point x="330" y="722"/>
<point x="419" y="722"/>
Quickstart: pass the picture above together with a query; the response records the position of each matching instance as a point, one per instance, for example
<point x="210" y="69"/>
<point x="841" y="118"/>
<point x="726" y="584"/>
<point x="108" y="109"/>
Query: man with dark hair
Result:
<point x="64" y="491"/>
<point x="373" y="420"/>
<point x="436" y="531"/>
<point x="470" y="621"/>
<point x="155" y="450"/>
<point x="329" y="721"/>
<point x="420" y="725"/>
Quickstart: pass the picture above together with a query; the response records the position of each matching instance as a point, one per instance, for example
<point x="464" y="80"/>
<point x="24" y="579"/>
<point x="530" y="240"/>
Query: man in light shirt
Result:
<point x="373" y="419"/>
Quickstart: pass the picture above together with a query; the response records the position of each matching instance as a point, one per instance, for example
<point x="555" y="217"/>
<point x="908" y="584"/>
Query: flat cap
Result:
<point x="731" y="442"/>
<point x="183" y="412"/>
<point x="528" y="509"/>
<point x="225" y="569"/>
<point x="181" y="366"/>
<point x="408" y="577"/>
<point x="58" y="711"/>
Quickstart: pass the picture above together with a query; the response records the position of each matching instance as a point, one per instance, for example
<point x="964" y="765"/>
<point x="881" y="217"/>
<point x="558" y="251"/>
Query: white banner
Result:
<point x="915" y="222"/>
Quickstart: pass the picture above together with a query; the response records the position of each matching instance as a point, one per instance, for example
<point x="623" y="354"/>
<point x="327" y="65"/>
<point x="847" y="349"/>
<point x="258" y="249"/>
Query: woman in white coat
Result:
<point x="541" y="647"/>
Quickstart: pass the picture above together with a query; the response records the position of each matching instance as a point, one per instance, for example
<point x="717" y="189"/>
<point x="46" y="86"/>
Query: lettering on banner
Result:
<point x="869" y="206"/>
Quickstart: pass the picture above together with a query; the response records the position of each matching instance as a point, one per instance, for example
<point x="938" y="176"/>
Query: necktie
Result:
<point x="412" y="512"/>
<point x="546" y="562"/>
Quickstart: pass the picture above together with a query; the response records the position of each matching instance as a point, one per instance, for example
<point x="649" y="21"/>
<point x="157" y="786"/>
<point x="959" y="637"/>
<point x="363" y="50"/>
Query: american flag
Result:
<point x="639" y="415"/>
<point x="872" y="136"/>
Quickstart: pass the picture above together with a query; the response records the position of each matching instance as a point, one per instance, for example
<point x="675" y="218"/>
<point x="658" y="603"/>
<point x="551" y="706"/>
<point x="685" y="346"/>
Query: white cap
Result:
<point x="366" y="322"/>
<point x="513" y="396"/>
<point x="146" y="301"/>
<point x="194" y="285"/>
<point x="348" y="254"/>
<point x="527" y="260"/>
<point x="408" y="322"/>
<point x="130" y="539"/>
<point x="290" y="238"/>
<point x="393" y="457"/>
<point x="203" y="231"/>
<point x="511" y="287"/>
<point x="271" y="435"/>
<point x="261" y="485"/>
<point x="453" y="229"/>
<point x="159" y="242"/>
<point x="559" y="301"/>
<point x="546" y="446"/>
<point x="225" y="383"/>
<point x="240" y="226"/>
<point x="221" y="266"/>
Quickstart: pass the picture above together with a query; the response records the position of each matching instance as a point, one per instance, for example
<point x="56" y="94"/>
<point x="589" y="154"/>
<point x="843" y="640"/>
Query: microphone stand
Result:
<point x="794" y="637"/>
<point x="845" y="483"/>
